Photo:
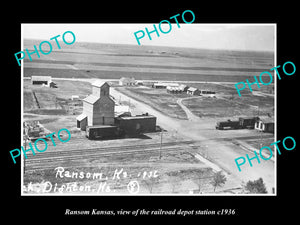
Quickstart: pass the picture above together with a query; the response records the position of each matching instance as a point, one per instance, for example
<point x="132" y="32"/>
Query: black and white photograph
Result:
<point x="140" y="113"/>
<point x="183" y="109"/>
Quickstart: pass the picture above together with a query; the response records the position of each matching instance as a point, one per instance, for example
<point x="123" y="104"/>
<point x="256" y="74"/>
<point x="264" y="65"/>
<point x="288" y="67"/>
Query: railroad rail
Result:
<point x="48" y="159"/>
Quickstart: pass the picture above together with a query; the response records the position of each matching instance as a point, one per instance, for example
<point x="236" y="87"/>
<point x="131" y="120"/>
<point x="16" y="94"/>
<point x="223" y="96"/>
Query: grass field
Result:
<point x="43" y="100"/>
<point x="159" y="99"/>
<point x="108" y="61"/>
<point x="226" y="107"/>
<point x="226" y="103"/>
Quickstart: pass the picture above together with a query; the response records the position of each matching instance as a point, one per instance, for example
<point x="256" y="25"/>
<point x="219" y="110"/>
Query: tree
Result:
<point x="199" y="180"/>
<point x="256" y="186"/>
<point x="150" y="183"/>
<point x="174" y="183"/>
<point x="218" y="180"/>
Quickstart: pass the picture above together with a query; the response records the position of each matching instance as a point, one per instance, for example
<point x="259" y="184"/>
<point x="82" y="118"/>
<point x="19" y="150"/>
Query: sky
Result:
<point x="248" y="37"/>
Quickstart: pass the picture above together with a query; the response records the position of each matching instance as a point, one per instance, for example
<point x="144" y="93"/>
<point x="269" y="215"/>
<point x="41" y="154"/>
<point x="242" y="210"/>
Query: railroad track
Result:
<point x="47" y="159"/>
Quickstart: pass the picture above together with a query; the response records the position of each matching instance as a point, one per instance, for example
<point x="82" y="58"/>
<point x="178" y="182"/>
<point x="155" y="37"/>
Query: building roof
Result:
<point x="127" y="79"/>
<point x="192" y="89"/>
<point x="166" y="84"/>
<point x="91" y="99"/>
<point x="102" y="126"/>
<point x="99" y="83"/>
<point x="81" y="117"/>
<point x="41" y="78"/>
<point x="266" y="119"/>
<point x="135" y="117"/>
<point x="174" y="88"/>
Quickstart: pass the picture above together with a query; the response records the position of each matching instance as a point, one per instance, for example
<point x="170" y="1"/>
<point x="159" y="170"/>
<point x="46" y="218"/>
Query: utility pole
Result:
<point x="161" y="137"/>
<point x="24" y="161"/>
<point x="260" y="140"/>
<point x="129" y="106"/>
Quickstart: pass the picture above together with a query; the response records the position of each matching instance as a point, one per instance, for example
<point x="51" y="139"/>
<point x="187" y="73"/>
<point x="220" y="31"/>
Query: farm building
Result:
<point x="193" y="91"/>
<point x="46" y="80"/>
<point x="164" y="85"/>
<point x="139" y="82"/>
<point x="133" y="125"/>
<point x="174" y="90"/>
<point x="75" y="97"/>
<point x="183" y="87"/>
<point x="98" y="108"/>
<point x="265" y="125"/>
<point x="207" y="92"/>
<point x="127" y="81"/>
<point x="177" y="89"/>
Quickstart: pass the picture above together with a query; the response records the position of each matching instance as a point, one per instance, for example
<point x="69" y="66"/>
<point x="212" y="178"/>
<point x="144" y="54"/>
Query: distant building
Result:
<point x="75" y="97"/>
<point x="174" y="90"/>
<point x="53" y="85"/>
<point x="207" y="92"/>
<point x="127" y="81"/>
<point x="193" y="91"/>
<point x="139" y="82"/>
<point x="183" y="87"/>
<point x="177" y="89"/>
<point x="42" y="80"/>
<point x="164" y="85"/>
<point x="265" y="125"/>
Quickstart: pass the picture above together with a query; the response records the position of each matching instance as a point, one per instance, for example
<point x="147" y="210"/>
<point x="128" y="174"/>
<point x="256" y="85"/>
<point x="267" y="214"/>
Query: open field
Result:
<point x="226" y="103"/>
<point x="43" y="100"/>
<point x="159" y="99"/>
<point x="90" y="60"/>
<point x="226" y="107"/>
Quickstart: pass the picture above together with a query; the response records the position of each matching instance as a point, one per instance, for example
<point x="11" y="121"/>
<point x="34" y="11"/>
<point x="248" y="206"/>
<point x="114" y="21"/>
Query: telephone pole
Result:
<point x="161" y="137"/>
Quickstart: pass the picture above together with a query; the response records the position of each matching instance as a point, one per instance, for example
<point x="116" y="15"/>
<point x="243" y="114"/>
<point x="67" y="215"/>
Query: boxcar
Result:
<point x="101" y="132"/>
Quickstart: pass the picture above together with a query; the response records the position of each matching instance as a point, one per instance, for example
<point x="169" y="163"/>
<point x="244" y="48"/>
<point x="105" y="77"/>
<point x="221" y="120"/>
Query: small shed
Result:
<point x="139" y="82"/>
<point x="52" y="85"/>
<point x="265" y="125"/>
<point x="43" y="80"/>
<point x="81" y="121"/>
<point x="75" y="97"/>
<point x="193" y="91"/>
<point x="127" y="81"/>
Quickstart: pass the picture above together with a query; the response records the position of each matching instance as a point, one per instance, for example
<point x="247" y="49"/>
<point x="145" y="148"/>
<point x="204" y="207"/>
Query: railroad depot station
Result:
<point x="99" y="121"/>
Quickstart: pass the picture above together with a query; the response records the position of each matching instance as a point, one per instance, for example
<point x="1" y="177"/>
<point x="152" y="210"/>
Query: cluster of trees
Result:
<point x="217" y="180"/>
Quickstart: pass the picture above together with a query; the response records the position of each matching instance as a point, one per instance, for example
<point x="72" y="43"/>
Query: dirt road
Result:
<point x="189" y="114"/>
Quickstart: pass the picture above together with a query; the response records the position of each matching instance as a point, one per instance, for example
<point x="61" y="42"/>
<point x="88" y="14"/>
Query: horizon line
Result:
<point x="156" y="46"/>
